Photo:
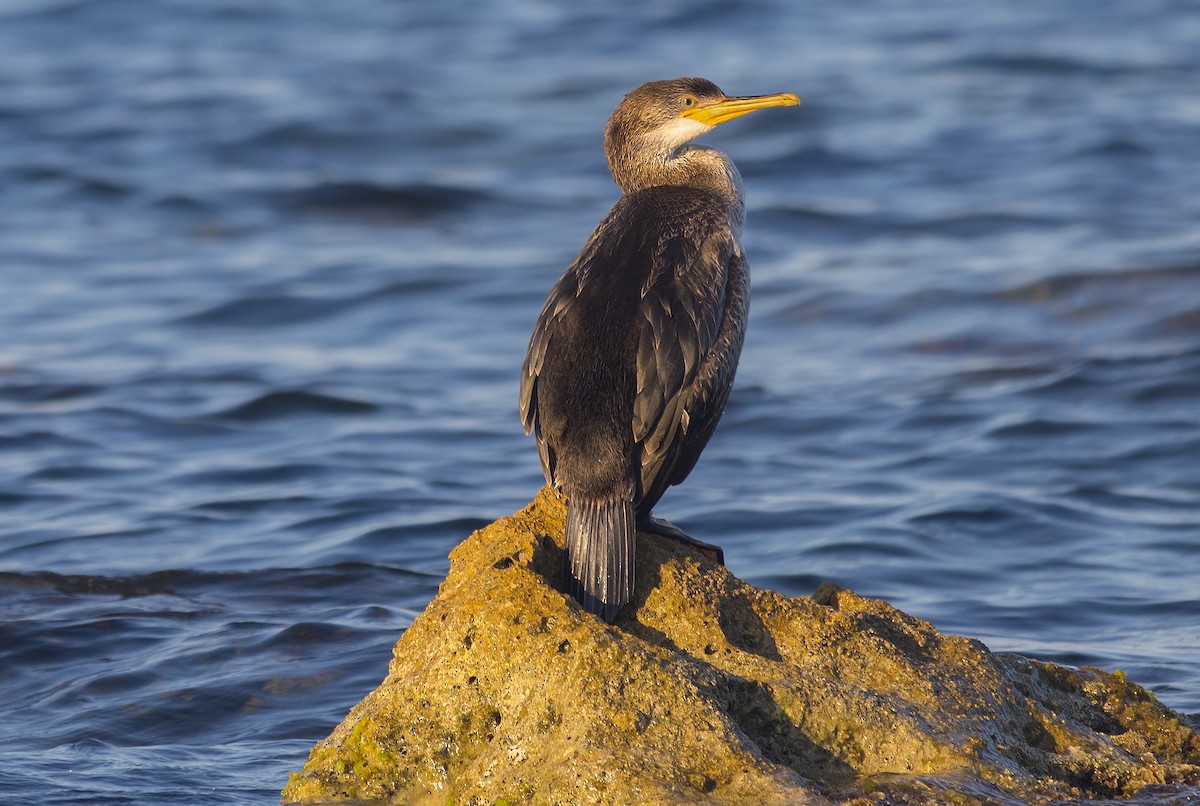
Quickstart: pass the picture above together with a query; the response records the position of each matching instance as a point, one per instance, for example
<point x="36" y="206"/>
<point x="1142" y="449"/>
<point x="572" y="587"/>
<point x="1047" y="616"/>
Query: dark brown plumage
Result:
<point x="633" y="356"/>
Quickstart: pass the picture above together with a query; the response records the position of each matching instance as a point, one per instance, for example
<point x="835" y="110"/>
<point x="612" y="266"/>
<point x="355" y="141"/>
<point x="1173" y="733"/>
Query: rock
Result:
<point x="708" y="690"/>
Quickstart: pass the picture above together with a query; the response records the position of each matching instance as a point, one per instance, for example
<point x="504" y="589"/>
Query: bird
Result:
<point x="633" y="355"/>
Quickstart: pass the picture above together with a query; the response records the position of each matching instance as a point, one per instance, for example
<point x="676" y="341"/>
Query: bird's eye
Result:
<point x="688" y="101"/>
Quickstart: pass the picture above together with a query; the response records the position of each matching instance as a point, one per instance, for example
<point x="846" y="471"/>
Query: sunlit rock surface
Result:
<point x="708" y="690"/>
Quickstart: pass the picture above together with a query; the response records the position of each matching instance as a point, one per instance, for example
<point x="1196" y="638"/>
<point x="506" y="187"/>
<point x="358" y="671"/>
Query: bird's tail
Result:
<point x="598" y="561"/>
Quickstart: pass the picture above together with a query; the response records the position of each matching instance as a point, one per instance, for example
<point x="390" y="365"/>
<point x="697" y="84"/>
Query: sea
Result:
<point x="268" y="271"/>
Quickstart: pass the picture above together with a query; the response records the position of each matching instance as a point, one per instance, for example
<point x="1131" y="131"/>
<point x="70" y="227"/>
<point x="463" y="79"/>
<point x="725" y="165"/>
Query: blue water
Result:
<point x="268" y="270"/>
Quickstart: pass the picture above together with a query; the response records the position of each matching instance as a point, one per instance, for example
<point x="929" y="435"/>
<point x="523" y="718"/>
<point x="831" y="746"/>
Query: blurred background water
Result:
<point x="267" y="272"/>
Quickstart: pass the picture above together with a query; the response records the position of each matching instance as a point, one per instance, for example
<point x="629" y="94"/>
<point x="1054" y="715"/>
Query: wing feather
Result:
<point x="557" y="303"/>
<point x="684" y="366"/>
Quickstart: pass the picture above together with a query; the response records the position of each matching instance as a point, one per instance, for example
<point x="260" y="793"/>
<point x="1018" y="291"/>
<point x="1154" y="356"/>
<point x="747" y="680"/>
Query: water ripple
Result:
<point x="296" y="403"/>
<point x="412" y="203"/>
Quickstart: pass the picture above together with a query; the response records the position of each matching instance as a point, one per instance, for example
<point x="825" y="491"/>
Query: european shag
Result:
<point x="633" y="356"/>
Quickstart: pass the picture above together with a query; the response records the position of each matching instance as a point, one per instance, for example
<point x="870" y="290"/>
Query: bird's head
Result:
<point x="653" y="121"/>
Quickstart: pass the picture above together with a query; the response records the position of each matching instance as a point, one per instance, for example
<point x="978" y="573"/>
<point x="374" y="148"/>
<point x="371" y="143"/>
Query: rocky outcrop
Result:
<point x="708" y="690"/>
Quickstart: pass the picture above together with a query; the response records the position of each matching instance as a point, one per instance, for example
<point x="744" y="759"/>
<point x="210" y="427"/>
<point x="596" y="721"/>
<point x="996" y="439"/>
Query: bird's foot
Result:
<point x="664" y="528"/>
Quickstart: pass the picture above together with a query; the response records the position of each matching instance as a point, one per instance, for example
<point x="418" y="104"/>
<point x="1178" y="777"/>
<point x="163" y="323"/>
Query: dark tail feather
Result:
<point x="598" y="562"/>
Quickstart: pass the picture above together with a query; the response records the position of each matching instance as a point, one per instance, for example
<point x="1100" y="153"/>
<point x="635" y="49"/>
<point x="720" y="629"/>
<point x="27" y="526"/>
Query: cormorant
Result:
<point x="633" y="355"/>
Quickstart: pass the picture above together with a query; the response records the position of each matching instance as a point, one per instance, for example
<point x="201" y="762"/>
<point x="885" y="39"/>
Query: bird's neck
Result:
<point x="690" y="165"/>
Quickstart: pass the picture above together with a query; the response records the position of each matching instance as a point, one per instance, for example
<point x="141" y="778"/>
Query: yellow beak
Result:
<point x="730" y="108"/>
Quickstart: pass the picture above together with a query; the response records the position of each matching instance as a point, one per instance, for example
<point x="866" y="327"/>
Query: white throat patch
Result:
<point x="666" y="139"/>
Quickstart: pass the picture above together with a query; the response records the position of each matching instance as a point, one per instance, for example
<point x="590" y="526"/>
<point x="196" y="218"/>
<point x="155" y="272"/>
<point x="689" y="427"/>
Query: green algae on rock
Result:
<point x="708" y="690"/>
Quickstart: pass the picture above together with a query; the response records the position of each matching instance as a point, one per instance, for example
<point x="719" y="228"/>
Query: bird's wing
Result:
<point x="684" y="366"/>
<point x="561" y="297"/>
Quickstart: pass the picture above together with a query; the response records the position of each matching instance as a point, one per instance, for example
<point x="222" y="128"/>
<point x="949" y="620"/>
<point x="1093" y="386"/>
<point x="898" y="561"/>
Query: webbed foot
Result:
<point x="665" y="528"/>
